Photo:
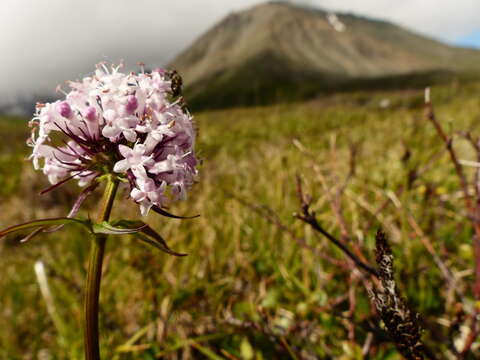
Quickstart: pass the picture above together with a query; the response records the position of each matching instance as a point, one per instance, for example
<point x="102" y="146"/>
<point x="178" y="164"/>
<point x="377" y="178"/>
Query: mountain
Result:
<point x="277" y="51"/>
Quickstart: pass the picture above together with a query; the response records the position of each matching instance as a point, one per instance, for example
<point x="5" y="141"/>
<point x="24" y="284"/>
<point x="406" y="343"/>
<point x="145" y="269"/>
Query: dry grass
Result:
<point x="247" y="289"/>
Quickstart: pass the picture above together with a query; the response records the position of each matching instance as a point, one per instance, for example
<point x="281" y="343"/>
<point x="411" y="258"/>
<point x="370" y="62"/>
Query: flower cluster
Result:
<point x="131" y="125"/>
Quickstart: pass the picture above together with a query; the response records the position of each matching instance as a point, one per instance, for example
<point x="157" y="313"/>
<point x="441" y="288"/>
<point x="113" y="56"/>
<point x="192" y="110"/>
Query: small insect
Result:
<point x="183" y="104"/>
<point x="177" y="83"/>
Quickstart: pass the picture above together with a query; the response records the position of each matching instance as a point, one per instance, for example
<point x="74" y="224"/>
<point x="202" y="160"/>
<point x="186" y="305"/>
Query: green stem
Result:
<point x="94" y="275"/>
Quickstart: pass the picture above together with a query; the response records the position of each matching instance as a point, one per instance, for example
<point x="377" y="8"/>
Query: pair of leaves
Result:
<point x="121" y="227"/>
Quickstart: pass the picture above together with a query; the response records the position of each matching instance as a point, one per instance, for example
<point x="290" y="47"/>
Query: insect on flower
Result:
<point x="133" y="126"/>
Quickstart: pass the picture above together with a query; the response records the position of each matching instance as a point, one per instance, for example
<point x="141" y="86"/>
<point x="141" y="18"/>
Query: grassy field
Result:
<point x="249" y="288"/>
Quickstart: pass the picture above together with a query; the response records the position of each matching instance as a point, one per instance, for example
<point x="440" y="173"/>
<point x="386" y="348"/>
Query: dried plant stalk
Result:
<point x="401" y="322"/>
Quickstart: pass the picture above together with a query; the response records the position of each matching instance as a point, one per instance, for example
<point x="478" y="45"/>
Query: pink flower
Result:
<point x="121" y="124"/>
<point x="135" y="160"/>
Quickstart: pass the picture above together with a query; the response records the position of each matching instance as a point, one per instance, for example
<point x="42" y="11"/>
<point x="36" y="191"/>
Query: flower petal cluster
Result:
<point x="131" y="125"/>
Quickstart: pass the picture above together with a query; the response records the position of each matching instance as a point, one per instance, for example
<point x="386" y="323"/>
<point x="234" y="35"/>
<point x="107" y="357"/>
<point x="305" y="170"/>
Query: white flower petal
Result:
<point x="111" y="131"/>
<point x="130" y="135"/>
<point x="110" y="115"/>
<point x="137" y="195"/>
<point x="145" y="208"/>
<point x="121" y="166"/>
<point x="124" y="150"/>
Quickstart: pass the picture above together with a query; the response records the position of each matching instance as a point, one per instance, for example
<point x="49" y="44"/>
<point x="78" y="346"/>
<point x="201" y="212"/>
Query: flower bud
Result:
<point x="132" y="104"/>
<point x="90" y="113"/>
<point x="64" y="109"/>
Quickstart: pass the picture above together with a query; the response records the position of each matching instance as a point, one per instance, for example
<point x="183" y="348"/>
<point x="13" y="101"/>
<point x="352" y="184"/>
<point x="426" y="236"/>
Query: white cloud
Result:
<point x="446" y="20"/>
<point x="47" y="41"/>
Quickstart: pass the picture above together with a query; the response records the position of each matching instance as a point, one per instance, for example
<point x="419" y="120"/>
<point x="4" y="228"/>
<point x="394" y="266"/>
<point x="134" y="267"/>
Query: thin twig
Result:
<point x="430" y="115"/>
<point x="473" y="208"/>
<point x="270" y="215"/>
<point x="310" y="218"/>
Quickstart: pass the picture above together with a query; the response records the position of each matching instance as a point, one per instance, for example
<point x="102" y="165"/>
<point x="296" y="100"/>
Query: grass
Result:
<point x="247" y="290"/>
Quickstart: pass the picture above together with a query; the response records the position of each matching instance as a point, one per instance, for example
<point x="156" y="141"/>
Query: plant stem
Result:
<point x="92" y="291"/>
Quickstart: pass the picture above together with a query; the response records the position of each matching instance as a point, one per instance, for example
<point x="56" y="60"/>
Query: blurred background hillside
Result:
<point x="278" y="90"/>
<point x="264" y="52"/>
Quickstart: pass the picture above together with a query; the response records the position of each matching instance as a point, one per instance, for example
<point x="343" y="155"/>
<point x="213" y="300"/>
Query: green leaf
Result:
<point x="106" y="228"/>
<point x="146" y="234"/>
<point x="180" y="343"/>
<point x="43" y="223"/>
<point x="165" y="213"/>
<point x="246" y="349"/>
<point x="206" y="351"/>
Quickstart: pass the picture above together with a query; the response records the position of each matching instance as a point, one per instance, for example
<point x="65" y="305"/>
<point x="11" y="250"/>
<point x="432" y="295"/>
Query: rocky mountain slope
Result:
<point x="277" y="50"/>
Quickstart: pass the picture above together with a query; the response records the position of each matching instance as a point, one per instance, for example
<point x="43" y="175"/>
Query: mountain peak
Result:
<point x="279" y="45"/>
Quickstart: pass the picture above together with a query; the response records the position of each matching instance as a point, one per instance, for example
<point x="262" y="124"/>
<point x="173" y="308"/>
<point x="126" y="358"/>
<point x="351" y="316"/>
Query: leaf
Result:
<point x="146" y="234"/>
<point x="159" y="245"/>
<point x="180" y="343"/>
<point x="246" y="349"/>
<point x="165" y="213"/>
<point x="150" y="236"/>
<point x="206" y="351"/>
<point x="106" y="228"/>
<point x="43" y="223"/>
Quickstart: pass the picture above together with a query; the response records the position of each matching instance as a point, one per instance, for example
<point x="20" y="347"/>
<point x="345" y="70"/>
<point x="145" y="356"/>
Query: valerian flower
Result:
<point x="118" y="128"/>
<point x="130" y="125"/>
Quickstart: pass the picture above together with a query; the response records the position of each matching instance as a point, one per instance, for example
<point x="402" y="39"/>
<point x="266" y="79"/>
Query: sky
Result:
<point x="470" y="40"/>
<point x="44" y="42"/>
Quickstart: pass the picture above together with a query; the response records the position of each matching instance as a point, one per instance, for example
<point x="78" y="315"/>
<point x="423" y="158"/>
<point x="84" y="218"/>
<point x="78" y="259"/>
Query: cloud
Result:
<point x="445" y="20"/>
<point x="47" y="41"/>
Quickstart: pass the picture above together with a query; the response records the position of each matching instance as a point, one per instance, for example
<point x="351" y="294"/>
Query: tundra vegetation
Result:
<point x="286" y="259"/>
